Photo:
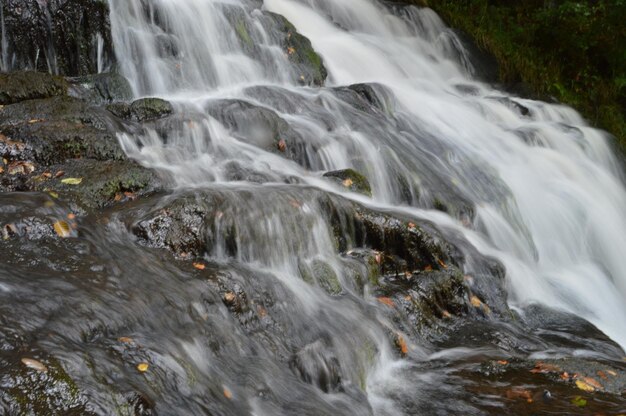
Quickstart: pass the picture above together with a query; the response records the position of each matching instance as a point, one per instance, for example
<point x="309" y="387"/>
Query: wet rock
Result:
<point x="147" y="109"/>
<point x="320" y="272"/>
<point x="315" y="364"/>
<point x="57" y="36"/>
<point x="352" y="180"/>
<point x="308" y="64"/>
<point x="262" y="127"/>
<point x="102" y="183"/>
<point x="28" y="389"/>
<point x="369" y="98"/>
<point x="28" y="85"/>
<point x="101" y="88"/>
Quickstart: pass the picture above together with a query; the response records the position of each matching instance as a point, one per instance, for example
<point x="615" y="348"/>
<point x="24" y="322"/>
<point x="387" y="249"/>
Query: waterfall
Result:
<point x="547" y="192"/>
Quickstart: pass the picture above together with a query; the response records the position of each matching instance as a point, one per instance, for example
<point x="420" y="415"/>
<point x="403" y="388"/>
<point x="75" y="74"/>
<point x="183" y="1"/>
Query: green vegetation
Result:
<point x="573" y="51"/>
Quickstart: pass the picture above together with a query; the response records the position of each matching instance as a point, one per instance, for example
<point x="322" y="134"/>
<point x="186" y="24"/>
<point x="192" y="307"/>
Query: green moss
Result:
<point x="242" y="33"/>
<point x="570" y="50"/>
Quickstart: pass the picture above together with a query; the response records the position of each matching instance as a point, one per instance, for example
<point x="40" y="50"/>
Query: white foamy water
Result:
<point x="547" y="192"/>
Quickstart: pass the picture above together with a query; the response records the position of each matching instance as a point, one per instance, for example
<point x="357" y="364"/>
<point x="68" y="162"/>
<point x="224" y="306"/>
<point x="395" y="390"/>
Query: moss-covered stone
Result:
<point x="102" y="88"/>
<point x="300" y="52"/>
<point x="352" y="180"/>
<point x="147" y="109"/>
<point x="29" y="85"/>
<point x="45" y="391"/>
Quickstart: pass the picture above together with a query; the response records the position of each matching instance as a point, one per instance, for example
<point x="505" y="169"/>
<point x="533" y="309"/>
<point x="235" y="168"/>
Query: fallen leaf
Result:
<point x="386" y="301"/>
<point x="442" y="264"/>
<point x="584" y="386"/>
<point x="378" y="258"/>
<point x="503" y="362"/>
<point x="447" y="314"/>
<point x="199" y="266"/>
<point x="578" y="401"/>
<point x="428" y="268"/>
<point x="282" y="145"/>
<point x="602" y="375"/>
<point x="593" y="383"/>
<point x="408" y="298"/>
<point x="20" y="168"/>
<point x="227" y="394"/>
<point x="118" y="197"/>
<point x="53" y="194"/>
<point x="347" y="183"/>
<point x="565" y="376"/>
<point x="62" y="229"/>
<point x="412" y="226"/>
<point x="35" y="120"/>
<point x="125" y="340"/>
<point x="71" y="216"/>
<point x="262" y="311"/>
<point x="1" y="169"/>
<point x="35" y="365"/>
<point x="143" y="367"/>
<point x="291" y="51"/>
<point x="611" y="372"/>
<point x="541" y="367"/>
<point x="401" y="343"/>
<point x="130" y="195"/>
<point x="477" y="303"/>
<point x="229" y="298"/>
<point x="518" y="393"/>
<point x="59" y="174"/>
<point x="46" y="175"/>
<point x="72" y="181"/>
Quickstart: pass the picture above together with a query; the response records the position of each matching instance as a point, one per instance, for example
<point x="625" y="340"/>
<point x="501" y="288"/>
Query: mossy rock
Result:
<point x="300" y="51"/>
<point x="352" y="180"/>
<point x="326" y="277"/>
<point x="29" y="85"/>
<point x="102" y="183"/>
<point x="45" y="391"/>
<point x="150" y="109"/>
<point x="102" y="88"/>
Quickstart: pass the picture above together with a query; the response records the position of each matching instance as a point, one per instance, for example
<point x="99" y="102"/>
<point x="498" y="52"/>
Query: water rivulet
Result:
<point x="330" y="215"/>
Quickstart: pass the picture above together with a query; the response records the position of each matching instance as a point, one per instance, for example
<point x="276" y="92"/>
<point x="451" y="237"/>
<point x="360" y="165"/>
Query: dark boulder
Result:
<point x="142" y="110"/>
<point x="57" y="36"/>
<point x="28" y="85"/>
<point x="101" y="88"/>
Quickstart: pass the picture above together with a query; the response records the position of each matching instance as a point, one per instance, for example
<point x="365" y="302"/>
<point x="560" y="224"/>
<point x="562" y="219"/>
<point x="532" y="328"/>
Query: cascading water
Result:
<point x="547" y="192"/>
<point x="302" y="298"/>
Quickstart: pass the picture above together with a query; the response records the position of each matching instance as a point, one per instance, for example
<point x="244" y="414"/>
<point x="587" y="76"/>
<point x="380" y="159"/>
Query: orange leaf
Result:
<point x="227" y="394"/>
<point x="125" y="340"/>
<point x="593" y="382"/>
<point x="401" y="343"/>
<point x="428" y="268"/>
<point x="386" y="301"/>
<point x="199" y="266"/>
<point x="541" y="367"/>
<point x="602" y="375"/>
<point x="503" y="362"/>
<point x="348" y="183"/>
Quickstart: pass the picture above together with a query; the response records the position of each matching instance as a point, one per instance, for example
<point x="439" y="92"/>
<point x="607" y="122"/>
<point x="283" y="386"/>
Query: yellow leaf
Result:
<point x="35" y="365"/>
<point x="477" y="303"/>
<point x="584" y="386"/>
<point x="142" y="367"/>
<point x="72" y="181"/>
<point x="62" y="229"/>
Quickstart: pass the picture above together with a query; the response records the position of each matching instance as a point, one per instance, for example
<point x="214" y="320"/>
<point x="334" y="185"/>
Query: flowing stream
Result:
<point x="524" y="182"/>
